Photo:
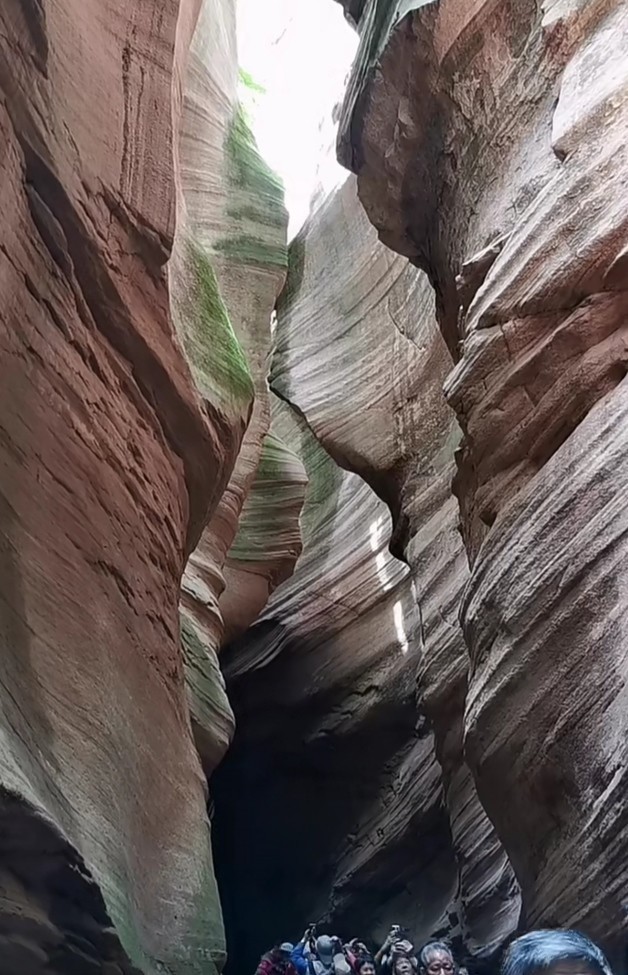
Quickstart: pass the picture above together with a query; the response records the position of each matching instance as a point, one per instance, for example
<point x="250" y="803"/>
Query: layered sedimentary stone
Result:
<point x="489" y="143"/>
<point x="359" y="352"/>
<point x="227" y="268"/>
<point x="52" y="916"/>
<point x="268" y="541"/>
<point x="109" y="467"/>
<point x="331" y="795"/>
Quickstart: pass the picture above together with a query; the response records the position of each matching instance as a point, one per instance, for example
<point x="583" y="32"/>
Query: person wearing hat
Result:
<point x="322" y="955"/>
<point x="277" y="961"/>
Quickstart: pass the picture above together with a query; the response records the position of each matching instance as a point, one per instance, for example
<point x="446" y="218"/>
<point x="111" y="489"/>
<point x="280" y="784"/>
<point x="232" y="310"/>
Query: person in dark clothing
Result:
<point x="364" y="965"/>
<point x="559" y="952"/>
<point x="323" y="955"/>
<point x="277" y="961"/>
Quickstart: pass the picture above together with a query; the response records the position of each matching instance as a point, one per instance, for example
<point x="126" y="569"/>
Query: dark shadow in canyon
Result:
<point x="52" y="916"/>
<point x="291" y="796"/>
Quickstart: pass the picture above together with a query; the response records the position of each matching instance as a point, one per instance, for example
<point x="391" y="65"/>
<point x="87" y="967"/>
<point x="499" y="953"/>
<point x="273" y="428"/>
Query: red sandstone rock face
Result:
<point x="489" y="144"/>
<point x="108" y="467"/>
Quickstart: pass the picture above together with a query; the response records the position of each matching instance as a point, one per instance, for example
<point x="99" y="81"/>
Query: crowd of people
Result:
<point x="551" y="952"/>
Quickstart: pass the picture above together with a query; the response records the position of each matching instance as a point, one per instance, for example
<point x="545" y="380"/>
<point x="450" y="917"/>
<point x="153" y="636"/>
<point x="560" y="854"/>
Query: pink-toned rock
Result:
<point x="109" y="468"/>
<point x="489" y="143"/>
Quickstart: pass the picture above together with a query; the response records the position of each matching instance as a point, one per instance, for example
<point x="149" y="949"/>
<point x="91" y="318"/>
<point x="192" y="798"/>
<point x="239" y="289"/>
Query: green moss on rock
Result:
<point x="257" y="215"/>
<point x="251" y="250"/>
<point x="210" y="342"/>
<point x="249" y="82"/>
<point x="246" y="167"/>
<point x="278" y="489"/>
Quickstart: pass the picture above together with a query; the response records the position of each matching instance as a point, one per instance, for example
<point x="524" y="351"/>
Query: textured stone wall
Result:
<point x="228" y="265"/>
<point x="489" y="144"/>
<point x="108" y="464"/>
<point x="359" y="352"/>
<point x="390" y="763"/>
<point x="330" y="795"/>
<point x="133" y="412"/>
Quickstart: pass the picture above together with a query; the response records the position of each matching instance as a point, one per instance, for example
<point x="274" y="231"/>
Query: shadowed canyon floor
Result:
<point x="312" y="558"/>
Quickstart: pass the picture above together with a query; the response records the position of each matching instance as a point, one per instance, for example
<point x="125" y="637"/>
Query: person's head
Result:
<point x="402" y="965"/>
<point x="559" y="952"/>
<point x="280" y="954"/>
<point x="365" y="966"/>
<point x="325" y="949"/>
<point x="436" y="959"/>
<point x="401" y="946"/>
<point x="358" y="948"/>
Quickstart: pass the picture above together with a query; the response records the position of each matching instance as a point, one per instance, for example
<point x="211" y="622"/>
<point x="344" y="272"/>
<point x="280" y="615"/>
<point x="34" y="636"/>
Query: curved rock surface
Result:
<point x="228" y="266"/>
<point x="359" y="352"/>
<point x="330" y="788"/>
<point x="268" y="541"/>
<point x="52" y="917"/>
<point x="489" y="143"/>
<point x="108" y="466"/>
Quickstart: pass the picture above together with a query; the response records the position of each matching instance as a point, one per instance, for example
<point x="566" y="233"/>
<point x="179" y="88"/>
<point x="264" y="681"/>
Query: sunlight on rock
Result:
<point x="399" y="627"/>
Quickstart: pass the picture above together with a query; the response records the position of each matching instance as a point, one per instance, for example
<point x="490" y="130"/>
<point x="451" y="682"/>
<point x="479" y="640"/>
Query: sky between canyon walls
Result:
<point x="300" y="52"/>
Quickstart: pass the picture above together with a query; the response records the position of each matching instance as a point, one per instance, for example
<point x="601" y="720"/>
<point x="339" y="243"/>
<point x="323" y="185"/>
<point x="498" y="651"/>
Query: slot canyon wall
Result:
<point x="489" y="143"/>
<point x="134" y="422"/>
<point x="109" y="465"/>
<point x="398" y="569"/>
<point x="363" y="809"/>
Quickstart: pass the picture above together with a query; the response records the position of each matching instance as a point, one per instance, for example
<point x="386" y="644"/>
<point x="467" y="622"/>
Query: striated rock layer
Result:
<point x="330" y="789"/>
<point x="113" y="463"/>
<point x="360" y="354"/>
<point x="227" y="268"/>
<point x="337" y="796"/>
<point x="489" y="143"/>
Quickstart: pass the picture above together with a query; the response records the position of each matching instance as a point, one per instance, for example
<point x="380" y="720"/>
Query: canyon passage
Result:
<point x="313" y="542"/>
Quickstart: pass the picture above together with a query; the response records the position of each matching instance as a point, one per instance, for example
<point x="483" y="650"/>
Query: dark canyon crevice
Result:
<point x="435" y="860"/>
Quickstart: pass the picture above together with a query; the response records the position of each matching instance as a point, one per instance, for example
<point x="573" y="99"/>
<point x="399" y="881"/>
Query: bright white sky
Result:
<point x="301" y="52"/>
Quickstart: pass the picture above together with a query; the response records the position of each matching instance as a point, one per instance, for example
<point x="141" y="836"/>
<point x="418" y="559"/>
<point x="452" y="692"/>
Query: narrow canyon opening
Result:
<point x="313" y="530"/>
